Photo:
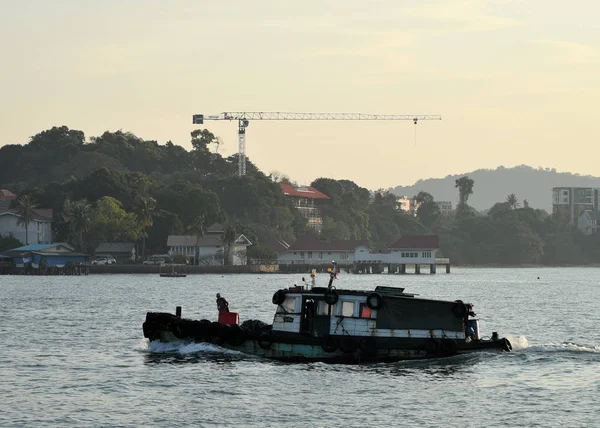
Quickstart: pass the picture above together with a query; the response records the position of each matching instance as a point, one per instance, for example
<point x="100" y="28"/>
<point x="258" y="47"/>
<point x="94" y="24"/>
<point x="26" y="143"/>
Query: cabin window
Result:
<point x="347" y="309"/>
<point x="365" y="311"/>
<point x="322" y="308"/>
<point x="288" y="305"/>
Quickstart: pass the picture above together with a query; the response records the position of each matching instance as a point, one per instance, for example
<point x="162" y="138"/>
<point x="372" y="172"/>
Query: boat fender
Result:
<point x="368" y="347"/>
<point x="374" y="301"/>
<point x="459" y="309"/>
<point x="329" y="343"/>
<point x="331" y="297"/>
<point x="348" y="344"/>
<point x="278" y="297"/>
<point x="506" y="345"/>
<point x="235" y="335"/>
<point x="216" y="332"/>
<point x="265" y="340"/>
<point x="178" y="329"/>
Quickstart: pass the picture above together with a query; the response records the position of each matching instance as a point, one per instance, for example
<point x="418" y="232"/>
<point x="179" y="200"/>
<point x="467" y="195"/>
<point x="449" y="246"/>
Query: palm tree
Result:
<point x="197" y="229"/>
<point x="25" y="207"/>
<point x="145" y="212"/>
<point x="513" y="201"/>
<point x="78" y="215"/>
<point x="465" y="188"/>
<point x="229" y="237"/>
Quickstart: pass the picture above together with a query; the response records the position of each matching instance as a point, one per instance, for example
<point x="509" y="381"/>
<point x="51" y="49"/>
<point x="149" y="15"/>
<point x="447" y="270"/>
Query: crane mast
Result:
<point x="244" y="117"/>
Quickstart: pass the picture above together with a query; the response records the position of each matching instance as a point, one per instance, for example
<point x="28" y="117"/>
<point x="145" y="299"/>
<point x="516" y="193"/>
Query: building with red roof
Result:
<point x="307" y="200"/>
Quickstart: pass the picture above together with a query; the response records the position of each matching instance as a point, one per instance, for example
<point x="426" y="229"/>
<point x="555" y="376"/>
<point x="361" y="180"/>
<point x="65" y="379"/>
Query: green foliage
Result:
<point x="25" y="206"/>
<point x="260" y="255"/>
<point x="119" y="187"/>
<point x="9" y="242"/>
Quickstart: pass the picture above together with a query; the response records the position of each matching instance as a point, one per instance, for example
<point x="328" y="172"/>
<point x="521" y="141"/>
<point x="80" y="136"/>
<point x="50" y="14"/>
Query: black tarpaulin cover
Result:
<point x="417" y="314"/>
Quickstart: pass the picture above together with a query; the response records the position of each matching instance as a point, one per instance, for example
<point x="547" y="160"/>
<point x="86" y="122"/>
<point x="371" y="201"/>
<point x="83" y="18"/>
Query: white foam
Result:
<point x="182" y="348"/>
<point x="565" y="347"/>
<point x="518" y="343"/>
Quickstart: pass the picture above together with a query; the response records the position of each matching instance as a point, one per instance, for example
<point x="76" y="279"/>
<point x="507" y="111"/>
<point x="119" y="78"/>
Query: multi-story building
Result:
<point x="570" y="202"/>
<point x="410" y="206"/>
<point x="307" y="200"/>
<point x="445" y="207"/>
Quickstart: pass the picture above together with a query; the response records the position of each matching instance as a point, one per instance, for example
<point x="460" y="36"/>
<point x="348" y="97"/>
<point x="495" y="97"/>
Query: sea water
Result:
<point x="72" y="353"/>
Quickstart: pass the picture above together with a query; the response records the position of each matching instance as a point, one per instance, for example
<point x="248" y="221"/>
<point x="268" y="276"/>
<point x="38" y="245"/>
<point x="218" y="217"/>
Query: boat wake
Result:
<point x="157" y="347"/>
<point x="565" y="347"/>
<point x="518" y="343"/>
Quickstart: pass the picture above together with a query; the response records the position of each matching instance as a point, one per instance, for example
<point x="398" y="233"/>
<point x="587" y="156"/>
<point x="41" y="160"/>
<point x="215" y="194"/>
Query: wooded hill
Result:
<point x="118" y="187"/>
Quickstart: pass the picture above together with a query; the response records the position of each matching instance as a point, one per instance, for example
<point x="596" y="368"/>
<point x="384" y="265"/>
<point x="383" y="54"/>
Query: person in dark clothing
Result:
<point x="222" y="304"/>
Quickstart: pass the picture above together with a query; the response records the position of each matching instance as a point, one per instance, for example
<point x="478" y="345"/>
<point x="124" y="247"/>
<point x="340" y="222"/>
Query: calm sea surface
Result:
<point x="72" y="353"/>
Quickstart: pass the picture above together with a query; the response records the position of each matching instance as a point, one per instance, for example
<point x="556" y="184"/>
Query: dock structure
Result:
<point x="407" y="253"/>
<point x="400" y="268"/>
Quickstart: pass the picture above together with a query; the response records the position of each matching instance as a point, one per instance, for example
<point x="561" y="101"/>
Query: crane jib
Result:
<point x="244" y="116"/>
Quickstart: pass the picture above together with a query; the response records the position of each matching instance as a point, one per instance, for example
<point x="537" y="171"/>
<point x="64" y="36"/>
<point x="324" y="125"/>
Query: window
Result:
<point x="344" y="256"/>
<point x="302" y="254"/>
<point x="294" y="253"/>
<point x="322" y="308"/>
<point x="309" y="255"/>
<point x="566" y="200"/>
<point x="365" y="311"/>
<point x="288" y="305"/>
<point x="347" y="309"/>
<point x="321" y="255"/>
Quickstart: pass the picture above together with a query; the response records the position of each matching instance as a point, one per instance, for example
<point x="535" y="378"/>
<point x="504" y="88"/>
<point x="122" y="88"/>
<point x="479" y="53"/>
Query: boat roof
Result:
<point x="384" y="291"/>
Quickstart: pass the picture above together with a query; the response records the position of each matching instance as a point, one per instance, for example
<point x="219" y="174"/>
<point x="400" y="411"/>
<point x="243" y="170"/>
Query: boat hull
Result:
<point x="259" y="340"/>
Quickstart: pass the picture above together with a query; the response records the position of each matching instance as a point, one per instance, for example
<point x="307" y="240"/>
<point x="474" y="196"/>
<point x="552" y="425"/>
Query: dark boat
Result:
<point x="335" y="325"/>
<point x="172" y="274"/>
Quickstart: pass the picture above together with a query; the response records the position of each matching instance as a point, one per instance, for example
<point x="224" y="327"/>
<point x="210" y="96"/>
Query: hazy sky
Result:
<point x="515" y="81"/>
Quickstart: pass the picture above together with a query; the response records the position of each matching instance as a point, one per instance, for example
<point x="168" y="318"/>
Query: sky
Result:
<point x="515" y="81"/>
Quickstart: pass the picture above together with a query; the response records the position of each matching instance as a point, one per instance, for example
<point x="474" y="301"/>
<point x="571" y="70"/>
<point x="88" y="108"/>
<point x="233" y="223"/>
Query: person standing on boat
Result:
<point x="222" y="304"/>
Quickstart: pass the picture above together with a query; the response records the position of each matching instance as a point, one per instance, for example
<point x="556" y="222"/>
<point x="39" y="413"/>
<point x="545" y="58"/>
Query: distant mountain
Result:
<point x="493" y="186"/>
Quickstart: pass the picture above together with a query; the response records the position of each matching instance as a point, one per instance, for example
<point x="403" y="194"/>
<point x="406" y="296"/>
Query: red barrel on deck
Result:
<point x="228" y="318"/>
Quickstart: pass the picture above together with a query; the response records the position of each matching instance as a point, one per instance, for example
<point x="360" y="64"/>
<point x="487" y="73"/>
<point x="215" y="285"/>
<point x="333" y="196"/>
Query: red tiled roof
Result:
<point x="310" y="242"/>
<point x="302" y="192"/>
<point x="6" y="195"/>
<point x="417" y="241"/>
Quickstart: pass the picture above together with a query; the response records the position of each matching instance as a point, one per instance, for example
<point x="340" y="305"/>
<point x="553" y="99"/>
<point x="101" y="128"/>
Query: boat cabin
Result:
<point x="384" y="312"/>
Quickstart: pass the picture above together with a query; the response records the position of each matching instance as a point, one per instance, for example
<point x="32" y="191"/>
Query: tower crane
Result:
<point x="244" y="118"/>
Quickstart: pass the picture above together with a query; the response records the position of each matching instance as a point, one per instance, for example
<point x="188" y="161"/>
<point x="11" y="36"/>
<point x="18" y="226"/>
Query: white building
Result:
<point x="39" y="231"/>
<point x="406" y="250"/>
<point x="210" y="249"/>
<point x="587" y="222"/>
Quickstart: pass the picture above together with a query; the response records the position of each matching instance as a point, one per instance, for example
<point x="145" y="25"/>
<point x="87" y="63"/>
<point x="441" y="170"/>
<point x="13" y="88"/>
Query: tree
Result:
<point x="77" y="215"/>
<point x="197" y="229"/>
<point x="112" y="223"/>
<point x="513" y="201"/>
<point x="25" y="210"/>
<point x="525" y="203"/>
<point x="229" y="237"/>
<point x="146" y="208"/>
<point x="260" y="255"/>
<point x="465" y="188"/>
<point x="9" y="242"/>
